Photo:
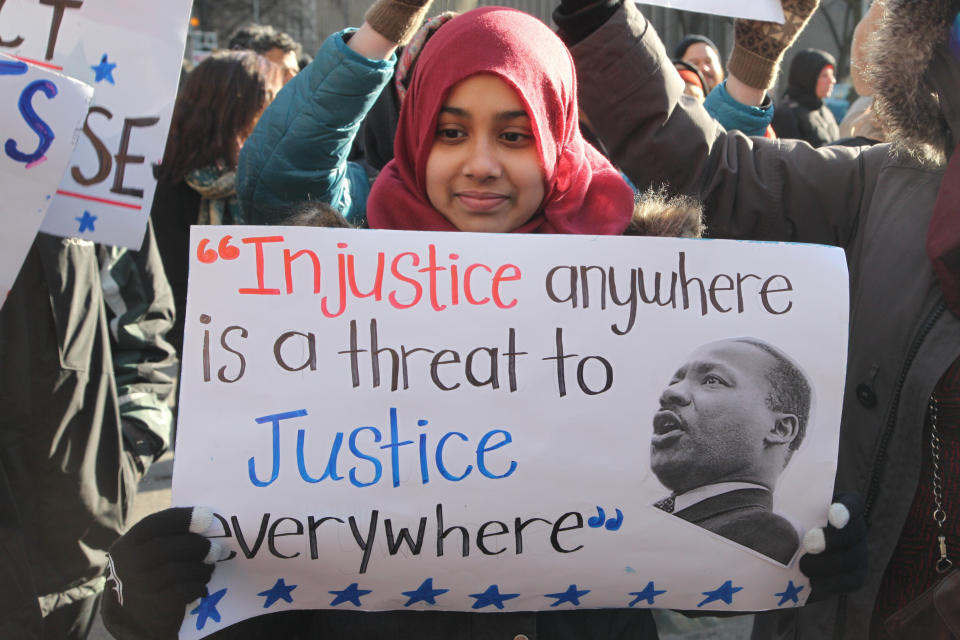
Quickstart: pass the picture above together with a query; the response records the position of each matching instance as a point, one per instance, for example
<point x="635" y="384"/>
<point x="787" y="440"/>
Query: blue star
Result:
<point x="279" y="591"/>
<point x="208" y="608"/>
<point x="351" y="594"/>
<point x="790" y="593"/>
<point x="104" y="70"/>
<point x="724" y="592"/>
<point x="571" y="595"/>
<point x="649" y="593"/>
<point x="86" y="222"/>
<point x="492" y="596"/>
<point x="424" y="593"/>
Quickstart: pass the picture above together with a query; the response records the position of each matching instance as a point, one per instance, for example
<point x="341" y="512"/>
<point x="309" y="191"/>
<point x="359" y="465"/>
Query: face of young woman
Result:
<point x="483" y="172"/>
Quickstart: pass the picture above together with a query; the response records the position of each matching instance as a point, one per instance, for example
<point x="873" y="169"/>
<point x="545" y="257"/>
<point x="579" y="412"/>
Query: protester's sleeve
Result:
<point x="298" y="150"/>
<point x="752" y="188"/>
<point x="140" y="312"/>
<point x="733" y="115"/>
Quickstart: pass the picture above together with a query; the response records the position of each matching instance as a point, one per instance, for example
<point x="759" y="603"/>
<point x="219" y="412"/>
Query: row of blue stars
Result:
<point x="207" y="609"/>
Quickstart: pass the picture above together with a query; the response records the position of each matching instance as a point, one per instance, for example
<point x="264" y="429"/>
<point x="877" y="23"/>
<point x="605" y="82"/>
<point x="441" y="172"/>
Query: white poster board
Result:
<point x="41" y="113"/>
<point x="504" y="449"/>
<point x="130" y="52"/>
<point x="766" y="10"/>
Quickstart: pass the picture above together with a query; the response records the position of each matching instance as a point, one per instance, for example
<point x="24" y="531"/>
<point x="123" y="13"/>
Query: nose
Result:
<point x="482" y="162"/>
<point x="675" y="395"/>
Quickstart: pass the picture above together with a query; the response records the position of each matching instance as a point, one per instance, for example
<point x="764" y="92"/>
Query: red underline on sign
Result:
<point x="101" y="200"/>
<point x="39" y="64"/>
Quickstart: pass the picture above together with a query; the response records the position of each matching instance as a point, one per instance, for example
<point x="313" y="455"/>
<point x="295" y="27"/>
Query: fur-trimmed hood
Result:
<point x="915" y="78"/>
<point x="658" y="214"/>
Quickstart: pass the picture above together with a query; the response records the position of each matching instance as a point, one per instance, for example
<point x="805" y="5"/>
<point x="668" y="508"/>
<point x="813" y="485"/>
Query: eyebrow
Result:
<point x="501" y="116"/>
<point x="708" y="366"/>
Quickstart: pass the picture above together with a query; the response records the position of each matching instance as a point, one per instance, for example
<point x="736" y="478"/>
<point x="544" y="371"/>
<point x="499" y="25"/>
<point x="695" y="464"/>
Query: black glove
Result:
<point x="576" y="19"/>
<point x="156" y="569"/>
<point x="836" y="555"/>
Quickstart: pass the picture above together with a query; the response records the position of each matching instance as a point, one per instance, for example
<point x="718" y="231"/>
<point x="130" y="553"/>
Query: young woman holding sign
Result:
<point x="488" y="140"/>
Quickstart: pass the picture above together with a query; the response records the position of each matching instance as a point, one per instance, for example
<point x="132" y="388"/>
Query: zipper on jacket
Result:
<point x="874" y="486"/>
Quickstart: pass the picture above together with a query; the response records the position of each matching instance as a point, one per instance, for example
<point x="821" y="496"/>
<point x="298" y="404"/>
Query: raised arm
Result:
<point x="298" y="150"/>
<point x="751" y="188"/>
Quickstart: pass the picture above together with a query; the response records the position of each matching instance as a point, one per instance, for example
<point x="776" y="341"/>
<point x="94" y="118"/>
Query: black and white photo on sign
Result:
<point x="728" y="423"/>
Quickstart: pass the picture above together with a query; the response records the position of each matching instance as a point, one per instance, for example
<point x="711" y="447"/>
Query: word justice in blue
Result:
<point x="370" y="468"/>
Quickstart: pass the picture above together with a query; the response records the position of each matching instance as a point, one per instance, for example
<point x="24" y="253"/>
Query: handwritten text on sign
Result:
<point x="40" y="116"/>
<point x="130" y="52"/>
<point x="474" y="422"/>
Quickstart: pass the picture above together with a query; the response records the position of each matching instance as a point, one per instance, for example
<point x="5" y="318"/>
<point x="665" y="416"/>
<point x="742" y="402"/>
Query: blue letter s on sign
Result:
<point x="41" y="128"/>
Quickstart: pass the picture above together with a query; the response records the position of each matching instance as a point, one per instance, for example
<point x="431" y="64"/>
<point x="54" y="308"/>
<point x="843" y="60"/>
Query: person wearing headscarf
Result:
<point x="802" y="114"/>
<point x="582" y="191"/>
<point x="488" y="140"/>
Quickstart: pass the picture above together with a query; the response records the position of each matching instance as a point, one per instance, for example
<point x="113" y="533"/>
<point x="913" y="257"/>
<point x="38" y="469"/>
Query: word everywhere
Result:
<point x="485" y="537"/>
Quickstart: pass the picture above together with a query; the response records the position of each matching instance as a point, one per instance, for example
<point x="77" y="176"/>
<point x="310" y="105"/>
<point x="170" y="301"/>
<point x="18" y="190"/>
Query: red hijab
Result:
<point x="584" y="193"/>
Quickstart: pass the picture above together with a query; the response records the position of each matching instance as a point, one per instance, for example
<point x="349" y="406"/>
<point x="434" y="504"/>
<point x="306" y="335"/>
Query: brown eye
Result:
<point x="449" y="133"/>
<point x="516" y="138"/>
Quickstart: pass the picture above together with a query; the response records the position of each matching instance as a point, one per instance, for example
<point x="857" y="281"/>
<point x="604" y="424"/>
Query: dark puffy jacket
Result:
<point x="801" y="114"/>
<point x="85" y="380"/>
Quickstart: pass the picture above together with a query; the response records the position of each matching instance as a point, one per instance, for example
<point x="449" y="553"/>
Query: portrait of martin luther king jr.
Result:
<point x="729" y="421"/>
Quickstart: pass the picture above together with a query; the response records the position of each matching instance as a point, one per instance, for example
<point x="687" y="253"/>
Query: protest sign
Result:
<point x="767" y="10"/>
<point x="130" y="52"/>
<point x="496" y="422"/>
<point x="41" y="113"/>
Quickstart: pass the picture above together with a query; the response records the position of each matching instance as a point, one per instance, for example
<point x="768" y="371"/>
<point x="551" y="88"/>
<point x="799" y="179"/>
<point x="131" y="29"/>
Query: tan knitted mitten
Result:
<point x="397" y="20"/>
<point x="759" y="46"/>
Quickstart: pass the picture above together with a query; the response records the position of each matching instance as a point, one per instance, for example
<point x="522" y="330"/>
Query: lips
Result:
<point x="667" y="427"/>
<point x="481" y="201"/>
<point x="665" y="421"/>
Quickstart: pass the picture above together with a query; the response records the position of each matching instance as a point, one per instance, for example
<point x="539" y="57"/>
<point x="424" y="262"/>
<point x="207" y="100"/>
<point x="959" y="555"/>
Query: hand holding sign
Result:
<point x="156" y="569"/>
